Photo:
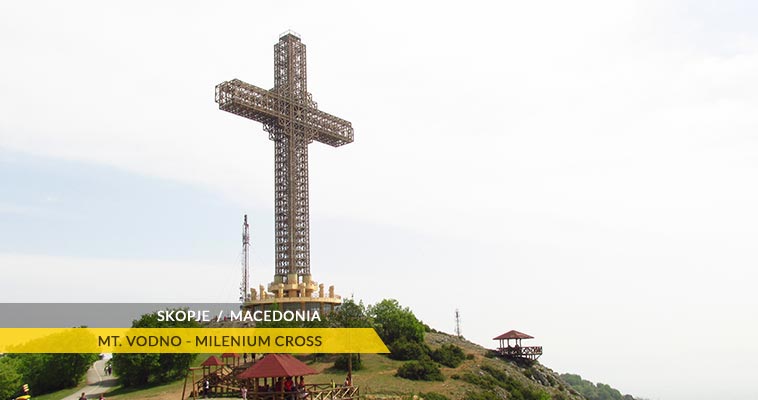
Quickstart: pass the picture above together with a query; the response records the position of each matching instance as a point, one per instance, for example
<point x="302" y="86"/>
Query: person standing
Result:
<point x="243" y="393"/>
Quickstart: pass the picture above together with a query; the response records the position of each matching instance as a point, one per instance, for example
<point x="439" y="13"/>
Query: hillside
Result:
<point x="478" y="378"/>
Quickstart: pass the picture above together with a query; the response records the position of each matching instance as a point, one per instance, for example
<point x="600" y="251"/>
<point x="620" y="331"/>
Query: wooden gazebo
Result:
<point x="517" y="351"/>
<point x="281" y="366"/>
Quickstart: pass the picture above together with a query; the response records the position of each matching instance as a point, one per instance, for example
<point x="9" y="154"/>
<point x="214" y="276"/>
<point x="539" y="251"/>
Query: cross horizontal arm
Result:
<point x="249" y="101"/>
<point x="271" y="108"/>
<point x="327" y="128"/>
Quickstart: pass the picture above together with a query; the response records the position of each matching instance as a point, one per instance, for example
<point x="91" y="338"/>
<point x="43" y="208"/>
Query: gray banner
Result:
<point x="101" y="315"/>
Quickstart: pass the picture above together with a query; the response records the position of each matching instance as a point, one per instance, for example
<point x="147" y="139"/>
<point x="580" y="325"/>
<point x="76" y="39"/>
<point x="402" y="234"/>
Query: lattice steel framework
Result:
<point x="292" y="120"/>
<point x="245" y="285"/>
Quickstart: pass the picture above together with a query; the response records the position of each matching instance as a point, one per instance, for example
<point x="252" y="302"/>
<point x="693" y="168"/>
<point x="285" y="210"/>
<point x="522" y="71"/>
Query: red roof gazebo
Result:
<point x="284" y="365"/>
<point x="517" y="351"/>
<point x="277" y="366"/>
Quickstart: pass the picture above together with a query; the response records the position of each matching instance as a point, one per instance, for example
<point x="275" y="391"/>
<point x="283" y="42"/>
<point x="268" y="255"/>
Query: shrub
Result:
<point x="498" y="378"/>
<point x="433" y="396"/>
<point x="482" y="395"/>
<point x="449" y="355"/>
<point x="422" y="370"/>
<point x="341" y="362"/>
<point x="404" y="350"/>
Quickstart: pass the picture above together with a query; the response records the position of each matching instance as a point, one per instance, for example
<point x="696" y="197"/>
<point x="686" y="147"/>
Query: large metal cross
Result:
<point x="292" y="120"/>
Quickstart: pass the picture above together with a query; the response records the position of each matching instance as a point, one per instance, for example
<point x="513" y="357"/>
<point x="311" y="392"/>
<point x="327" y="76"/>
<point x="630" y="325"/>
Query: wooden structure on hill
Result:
<point x="231" y="359"/>
<point x="517" y="351"/>
<point x="221" y="377"/>
<point x="264" y="380"/>
<point x="278" y="368"/>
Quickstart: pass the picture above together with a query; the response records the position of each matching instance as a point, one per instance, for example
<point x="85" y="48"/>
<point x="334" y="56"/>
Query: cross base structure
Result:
<point x="305" y="296"/>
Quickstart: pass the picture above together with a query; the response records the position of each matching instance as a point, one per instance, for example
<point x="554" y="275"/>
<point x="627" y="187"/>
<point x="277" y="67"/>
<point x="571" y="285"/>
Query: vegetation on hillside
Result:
<point x="152" y="368"/>
<point x="592" y="391"/>
<point x="10" y="378"/>
<point x="44" y="373"/>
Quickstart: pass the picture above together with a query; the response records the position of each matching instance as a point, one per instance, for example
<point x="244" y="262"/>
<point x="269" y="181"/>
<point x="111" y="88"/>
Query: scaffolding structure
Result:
<point x="245" y="285"/>
<point x="292" y="120"/>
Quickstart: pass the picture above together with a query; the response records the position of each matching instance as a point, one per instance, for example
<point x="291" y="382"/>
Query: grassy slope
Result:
<point x="377" y="379"/>
<point x="57" y="395"/>
<point x="168" y="391"/>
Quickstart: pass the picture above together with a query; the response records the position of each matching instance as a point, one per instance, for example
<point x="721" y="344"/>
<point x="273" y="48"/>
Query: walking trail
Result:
<point x="97" y="382"/>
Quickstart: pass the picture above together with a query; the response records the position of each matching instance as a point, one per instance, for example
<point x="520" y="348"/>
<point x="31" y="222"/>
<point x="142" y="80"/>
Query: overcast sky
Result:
<point x="583" y="171"/>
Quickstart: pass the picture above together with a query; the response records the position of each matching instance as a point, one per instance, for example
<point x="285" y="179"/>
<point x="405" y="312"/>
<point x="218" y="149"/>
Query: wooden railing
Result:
<point x="311" y="392"/>
<point x="528" y="352"/>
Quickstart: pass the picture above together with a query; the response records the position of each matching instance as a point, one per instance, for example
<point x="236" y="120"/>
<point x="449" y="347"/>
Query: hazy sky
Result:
<point x="582" y="171"/>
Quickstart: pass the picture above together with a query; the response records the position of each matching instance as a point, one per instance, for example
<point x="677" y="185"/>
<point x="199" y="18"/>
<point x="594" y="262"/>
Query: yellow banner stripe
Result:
<point x="190" y="340"/>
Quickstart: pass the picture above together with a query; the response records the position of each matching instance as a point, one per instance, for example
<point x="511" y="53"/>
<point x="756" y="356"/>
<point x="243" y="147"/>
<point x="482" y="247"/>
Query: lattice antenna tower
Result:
<point x="245" y="285"/>
<point x="458" y="323"/>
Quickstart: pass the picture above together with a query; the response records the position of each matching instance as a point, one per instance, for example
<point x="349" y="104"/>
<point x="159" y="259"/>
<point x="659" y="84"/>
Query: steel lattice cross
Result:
<point x="292" y="120"/>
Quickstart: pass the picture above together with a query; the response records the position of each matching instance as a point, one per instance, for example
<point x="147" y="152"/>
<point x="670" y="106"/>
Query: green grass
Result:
<point x="163" y="391"/>
<point x="169" y="390"/>
<point x="59" y="394"/>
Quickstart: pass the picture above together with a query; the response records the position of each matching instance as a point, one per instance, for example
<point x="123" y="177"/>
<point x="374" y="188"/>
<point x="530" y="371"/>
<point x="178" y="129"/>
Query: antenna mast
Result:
<point x="245" y="286"/>
<point x="457" y="323"/>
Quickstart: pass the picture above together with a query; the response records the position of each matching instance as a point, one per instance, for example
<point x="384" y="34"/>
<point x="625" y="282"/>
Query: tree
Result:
<point x="393" y="322"/>
<point x="151" y="368"/>
<point x="10" y="379"/>
<point x="350" y="315"/>
<point x="50" y="372"/>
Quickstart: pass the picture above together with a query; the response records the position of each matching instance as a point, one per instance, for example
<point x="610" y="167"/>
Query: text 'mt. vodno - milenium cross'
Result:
<point x="292" y="120"/>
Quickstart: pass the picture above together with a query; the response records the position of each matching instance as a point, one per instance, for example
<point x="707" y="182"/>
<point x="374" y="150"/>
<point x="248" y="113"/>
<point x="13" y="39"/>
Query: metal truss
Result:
<point x="292" y="120"/>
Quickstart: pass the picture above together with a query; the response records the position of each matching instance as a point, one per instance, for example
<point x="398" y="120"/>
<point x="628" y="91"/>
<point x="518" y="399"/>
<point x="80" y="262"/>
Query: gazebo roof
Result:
<point x="277" y="365"/>
<point x="230" y="355"/>
<point x="513" y="335"/>
<point x="212" y="361"/>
